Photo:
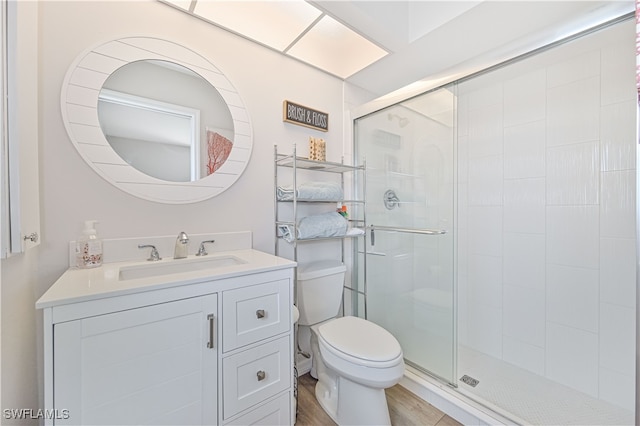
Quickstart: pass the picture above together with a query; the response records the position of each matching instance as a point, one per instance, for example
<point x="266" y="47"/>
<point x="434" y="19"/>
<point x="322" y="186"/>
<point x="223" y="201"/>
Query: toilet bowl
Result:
<point x="354" y="360"/>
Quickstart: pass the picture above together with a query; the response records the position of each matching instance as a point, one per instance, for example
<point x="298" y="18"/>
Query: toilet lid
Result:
<point x="360" y="338"/>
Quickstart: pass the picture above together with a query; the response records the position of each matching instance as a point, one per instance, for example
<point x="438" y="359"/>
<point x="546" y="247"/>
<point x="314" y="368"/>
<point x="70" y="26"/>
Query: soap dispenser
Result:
<point x="89" y="247"/>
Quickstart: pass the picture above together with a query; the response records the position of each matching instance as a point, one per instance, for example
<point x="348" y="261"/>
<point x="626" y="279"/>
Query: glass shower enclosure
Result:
<point x="409" y="256"/>
<point x="501" y="232"/>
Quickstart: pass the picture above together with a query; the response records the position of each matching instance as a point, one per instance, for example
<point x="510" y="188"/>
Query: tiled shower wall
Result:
<point x="547" y="203"/>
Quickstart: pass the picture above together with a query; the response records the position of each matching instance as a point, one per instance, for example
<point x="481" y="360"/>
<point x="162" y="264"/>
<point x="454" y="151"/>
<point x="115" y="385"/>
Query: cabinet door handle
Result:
<point x="210" y="317"/>
<point x="261" y="375"/>
<point x="260" y="313"/>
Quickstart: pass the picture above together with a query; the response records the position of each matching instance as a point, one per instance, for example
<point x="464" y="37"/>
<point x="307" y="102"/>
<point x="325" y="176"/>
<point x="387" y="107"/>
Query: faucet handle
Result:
<point x="154" y="252"/>
<point x="201" y="250"/>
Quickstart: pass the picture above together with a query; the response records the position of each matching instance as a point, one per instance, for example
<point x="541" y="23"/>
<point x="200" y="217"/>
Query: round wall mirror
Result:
<point x="156" y="119"/>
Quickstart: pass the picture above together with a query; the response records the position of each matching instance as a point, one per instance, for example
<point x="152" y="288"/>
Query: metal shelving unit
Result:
<point x="298" y="164"/>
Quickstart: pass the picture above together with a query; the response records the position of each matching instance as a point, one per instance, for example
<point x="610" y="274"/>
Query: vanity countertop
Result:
<point x="79" y="285"/>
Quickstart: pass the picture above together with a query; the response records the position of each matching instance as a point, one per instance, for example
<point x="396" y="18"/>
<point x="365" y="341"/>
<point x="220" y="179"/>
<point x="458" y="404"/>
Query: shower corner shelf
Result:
<point x="297" y="163"/>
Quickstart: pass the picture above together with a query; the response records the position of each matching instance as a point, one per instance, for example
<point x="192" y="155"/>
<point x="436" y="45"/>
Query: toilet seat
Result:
<point x="360" y="342"/>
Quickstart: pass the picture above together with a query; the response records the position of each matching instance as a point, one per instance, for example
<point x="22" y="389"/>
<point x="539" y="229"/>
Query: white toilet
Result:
<point x="354" y="359"/>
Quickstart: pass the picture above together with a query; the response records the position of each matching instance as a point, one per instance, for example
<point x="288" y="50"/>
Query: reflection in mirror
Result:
<point x="165" y="120"/>
<point x="224" y="129"/>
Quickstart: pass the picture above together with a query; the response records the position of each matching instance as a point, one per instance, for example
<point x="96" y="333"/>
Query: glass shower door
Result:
<point x="408" y="260"/>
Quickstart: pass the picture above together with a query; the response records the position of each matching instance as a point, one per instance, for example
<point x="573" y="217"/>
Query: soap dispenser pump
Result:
<point x="89" y="247"/>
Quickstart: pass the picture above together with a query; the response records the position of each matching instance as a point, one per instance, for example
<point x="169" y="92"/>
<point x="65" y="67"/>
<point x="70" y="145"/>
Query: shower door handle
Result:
<point x="422" y="231"/>
<point x="373" y="236"/>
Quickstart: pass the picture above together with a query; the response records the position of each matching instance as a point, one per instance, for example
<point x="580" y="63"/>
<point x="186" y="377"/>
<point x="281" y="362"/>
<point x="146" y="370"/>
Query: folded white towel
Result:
<point x="355" y="231"/>
<point x="330" y="224"/>
<point x="315" y="191"/>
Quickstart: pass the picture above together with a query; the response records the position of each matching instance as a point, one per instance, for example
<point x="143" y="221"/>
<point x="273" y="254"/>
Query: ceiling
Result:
<point x="399" y="45"/>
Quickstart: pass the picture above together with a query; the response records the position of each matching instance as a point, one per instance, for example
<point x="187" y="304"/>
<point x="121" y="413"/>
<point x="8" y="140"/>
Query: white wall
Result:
<point x="71" y="192"/>
<point x="547" y="215"/>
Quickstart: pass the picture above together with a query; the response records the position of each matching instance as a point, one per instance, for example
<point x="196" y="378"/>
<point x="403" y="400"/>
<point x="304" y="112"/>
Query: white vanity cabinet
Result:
<point x="204" y="349"/>
<point x="149" y="365"/>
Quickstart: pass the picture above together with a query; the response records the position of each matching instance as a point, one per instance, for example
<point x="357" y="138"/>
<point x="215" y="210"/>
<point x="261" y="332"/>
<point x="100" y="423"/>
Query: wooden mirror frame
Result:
<point x="79" y="102"/>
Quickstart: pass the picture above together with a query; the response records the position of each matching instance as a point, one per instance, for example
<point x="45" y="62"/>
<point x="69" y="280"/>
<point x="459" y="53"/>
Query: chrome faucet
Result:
<point x="154" y="256"/>
<point x="182" y="246"/>
<point x="201" y="250"/>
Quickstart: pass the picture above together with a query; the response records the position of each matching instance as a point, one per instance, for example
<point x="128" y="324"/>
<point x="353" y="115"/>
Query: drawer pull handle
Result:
<point x="260" y="313"/>
<point x="261" y="375"/>
<point x="210" y="317"/>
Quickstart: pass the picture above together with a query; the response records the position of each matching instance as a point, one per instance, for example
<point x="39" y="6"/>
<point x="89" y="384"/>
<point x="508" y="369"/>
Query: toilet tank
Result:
<point x="319" y="290"/>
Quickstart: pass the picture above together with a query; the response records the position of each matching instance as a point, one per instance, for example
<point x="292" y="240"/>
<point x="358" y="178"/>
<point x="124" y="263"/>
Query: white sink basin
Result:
<point x="176" y="266"/>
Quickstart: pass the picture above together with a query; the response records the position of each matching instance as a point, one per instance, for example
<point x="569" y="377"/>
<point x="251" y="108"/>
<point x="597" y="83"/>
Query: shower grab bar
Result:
<point x="423" y="231"/>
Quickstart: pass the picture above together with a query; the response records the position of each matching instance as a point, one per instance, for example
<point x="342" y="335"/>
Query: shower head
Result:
<point x="402" y="121"/>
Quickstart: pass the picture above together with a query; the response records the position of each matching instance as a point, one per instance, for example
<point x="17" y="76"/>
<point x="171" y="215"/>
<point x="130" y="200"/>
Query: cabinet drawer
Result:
<point x="276" y="412"/>
<point x="254" y="313"/>
<point x="256" y="374"/>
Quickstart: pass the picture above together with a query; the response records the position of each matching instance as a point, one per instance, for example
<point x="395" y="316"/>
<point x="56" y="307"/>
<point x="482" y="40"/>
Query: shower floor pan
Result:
<point x="532" y="398"/>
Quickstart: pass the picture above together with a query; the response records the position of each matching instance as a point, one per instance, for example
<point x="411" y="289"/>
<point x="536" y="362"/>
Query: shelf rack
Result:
<point x="297" y="164"/>
<point x="300" y="163"/>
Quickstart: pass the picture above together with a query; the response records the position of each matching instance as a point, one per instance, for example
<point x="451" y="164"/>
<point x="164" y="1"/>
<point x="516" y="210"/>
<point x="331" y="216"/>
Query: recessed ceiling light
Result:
<point x="333" y="47"/>
<point x="293" y="27"/>
<point x="273" y="23"/>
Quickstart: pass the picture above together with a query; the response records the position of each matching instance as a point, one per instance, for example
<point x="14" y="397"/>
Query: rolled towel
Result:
<point x="284" y="193"/>
<point x="330" y="224"/>
<point x="315" y="191"/>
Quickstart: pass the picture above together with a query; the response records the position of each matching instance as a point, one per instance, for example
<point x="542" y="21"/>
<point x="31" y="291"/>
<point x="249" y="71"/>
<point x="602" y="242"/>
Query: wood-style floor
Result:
<point x="404" y="408"/>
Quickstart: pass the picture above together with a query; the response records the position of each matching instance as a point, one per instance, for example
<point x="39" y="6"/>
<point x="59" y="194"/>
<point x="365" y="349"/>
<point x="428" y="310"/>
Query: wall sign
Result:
<point x="303" y="116"/>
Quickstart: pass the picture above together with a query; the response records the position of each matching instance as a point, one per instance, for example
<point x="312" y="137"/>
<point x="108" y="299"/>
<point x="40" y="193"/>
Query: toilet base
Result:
<point x="361" y="405"/>
<point x="350" y="402"/>
<point x="327" y="397"/>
